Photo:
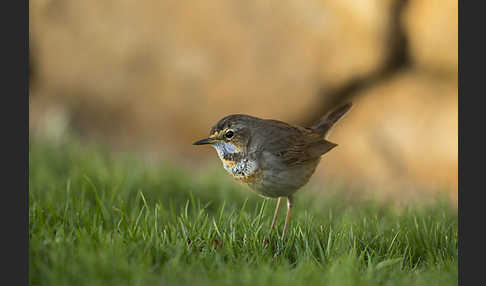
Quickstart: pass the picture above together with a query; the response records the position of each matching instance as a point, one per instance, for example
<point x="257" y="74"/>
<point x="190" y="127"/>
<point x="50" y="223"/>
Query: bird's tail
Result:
<point x="327" y="121"/>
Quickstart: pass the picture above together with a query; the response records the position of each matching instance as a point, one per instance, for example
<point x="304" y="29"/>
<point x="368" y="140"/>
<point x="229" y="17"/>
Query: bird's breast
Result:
<point x="243" y="170"/>
<point x="235" y="162"/>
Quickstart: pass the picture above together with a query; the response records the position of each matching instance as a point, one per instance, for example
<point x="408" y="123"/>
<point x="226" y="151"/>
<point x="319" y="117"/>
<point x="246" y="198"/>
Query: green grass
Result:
<point x="100" y="219"/>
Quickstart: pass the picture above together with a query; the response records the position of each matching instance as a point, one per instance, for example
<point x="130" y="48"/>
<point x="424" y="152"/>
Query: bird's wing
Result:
<point x="294" y="145"/>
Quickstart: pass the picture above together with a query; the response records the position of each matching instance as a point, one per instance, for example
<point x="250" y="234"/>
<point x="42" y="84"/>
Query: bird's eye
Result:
<point x="229" y="134"/>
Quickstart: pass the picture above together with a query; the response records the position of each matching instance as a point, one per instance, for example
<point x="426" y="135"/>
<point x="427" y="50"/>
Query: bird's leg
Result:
<point x="275" y="215"/>
<point x="290" y="202"/>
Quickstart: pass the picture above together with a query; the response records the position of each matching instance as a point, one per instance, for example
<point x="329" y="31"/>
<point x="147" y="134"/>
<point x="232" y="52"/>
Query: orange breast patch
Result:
<point x="229" y="164"/>
<point x="250" y="179"/>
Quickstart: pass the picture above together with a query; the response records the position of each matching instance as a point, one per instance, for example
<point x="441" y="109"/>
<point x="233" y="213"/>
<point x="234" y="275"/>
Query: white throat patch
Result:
<point x="241" y="168"/>
<point x="224" y="148"/>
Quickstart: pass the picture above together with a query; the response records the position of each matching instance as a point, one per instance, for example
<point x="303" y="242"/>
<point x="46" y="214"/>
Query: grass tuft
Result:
<point x="98" y="219"/>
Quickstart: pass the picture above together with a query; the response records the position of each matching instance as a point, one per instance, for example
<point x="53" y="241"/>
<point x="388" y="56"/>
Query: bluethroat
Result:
<point x="273" y="158"/>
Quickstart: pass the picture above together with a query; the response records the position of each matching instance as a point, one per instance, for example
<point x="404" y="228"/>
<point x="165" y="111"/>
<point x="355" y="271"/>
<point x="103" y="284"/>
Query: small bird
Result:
<point x="273" y="158"/>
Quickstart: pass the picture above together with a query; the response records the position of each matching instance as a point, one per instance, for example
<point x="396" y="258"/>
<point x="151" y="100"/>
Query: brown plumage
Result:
<point x="272" y="157"/>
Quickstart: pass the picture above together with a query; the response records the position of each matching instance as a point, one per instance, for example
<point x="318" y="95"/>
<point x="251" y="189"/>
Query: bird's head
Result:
<point x="231" y="134"/>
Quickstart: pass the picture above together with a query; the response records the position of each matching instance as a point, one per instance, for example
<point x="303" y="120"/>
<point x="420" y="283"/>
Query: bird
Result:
<point x="275" y="159"/>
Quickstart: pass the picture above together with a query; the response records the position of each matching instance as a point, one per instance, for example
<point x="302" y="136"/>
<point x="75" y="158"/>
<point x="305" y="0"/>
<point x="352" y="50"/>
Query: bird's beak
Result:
<point x="204" y="141"/>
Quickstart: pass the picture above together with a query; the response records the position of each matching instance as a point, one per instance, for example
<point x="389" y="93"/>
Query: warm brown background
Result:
<point x="155" y="75"/>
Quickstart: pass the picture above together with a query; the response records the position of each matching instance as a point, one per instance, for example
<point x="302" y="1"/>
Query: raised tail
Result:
<point x="327" y="121"/>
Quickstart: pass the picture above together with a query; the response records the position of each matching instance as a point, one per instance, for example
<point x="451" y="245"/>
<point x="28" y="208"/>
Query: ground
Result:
<point x="97" y="218"/>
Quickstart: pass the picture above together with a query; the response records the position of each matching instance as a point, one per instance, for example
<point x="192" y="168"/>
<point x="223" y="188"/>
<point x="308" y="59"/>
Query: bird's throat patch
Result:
<point x="228" y="163"/>
<point x="225" y="149"/>
<point x="234" y="161"/>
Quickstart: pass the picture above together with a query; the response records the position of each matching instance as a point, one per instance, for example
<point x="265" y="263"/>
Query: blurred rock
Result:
<point x="156" y="75"/>
<point x="432" y="30"/>
<point x="401" y="135"/>
<point x="357" y="37"/>
<point x="164" y="71"/>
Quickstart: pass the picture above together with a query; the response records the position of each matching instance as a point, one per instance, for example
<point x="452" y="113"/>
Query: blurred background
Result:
<point x="153" y="76"/>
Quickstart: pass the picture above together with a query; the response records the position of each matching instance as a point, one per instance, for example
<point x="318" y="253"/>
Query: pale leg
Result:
<point x="275" y="215"/>
<point x="290" y="203"/>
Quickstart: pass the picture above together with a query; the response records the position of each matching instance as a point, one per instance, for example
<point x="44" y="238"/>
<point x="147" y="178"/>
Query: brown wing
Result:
<point x="295" y="145"/>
